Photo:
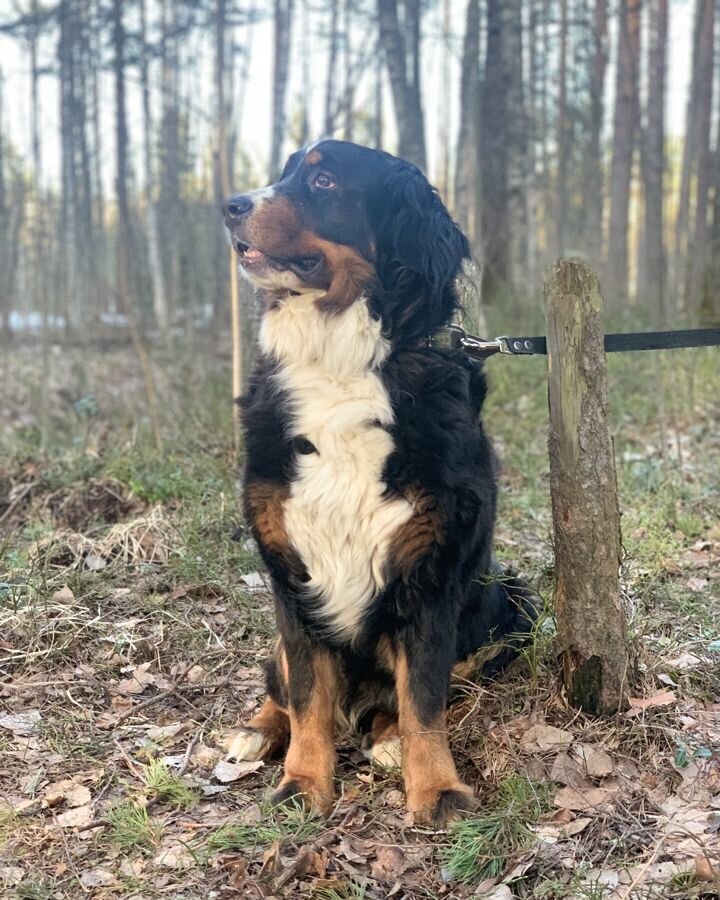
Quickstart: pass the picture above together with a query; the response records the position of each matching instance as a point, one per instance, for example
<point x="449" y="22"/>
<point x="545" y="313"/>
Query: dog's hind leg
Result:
<point x="496" y="621"/>
<point x="263" y="736"/>
<point x="382" y="745"/>
<point x="266" y="734"/>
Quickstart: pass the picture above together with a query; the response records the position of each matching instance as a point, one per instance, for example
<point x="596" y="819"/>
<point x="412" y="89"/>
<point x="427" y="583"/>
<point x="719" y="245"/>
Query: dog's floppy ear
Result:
<point x="420" y="251"/>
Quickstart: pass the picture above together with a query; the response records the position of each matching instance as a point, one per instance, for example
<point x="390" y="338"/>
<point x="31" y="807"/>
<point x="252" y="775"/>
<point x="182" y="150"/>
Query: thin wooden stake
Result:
<point x="237" y="363"/>
<point x="591" y="621"/>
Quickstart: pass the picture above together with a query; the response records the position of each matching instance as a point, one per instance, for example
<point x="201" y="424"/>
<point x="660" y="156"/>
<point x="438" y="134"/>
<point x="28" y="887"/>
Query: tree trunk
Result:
<point x="702" y="90"/>
<point x="121" y="161"/>
<point x="349" y="79"/>
<point x="682" y="220"/>
<point x="710" y="309"/>
<point x="7" y="288"/>
<point x="68" y="236"/>
<point x="402" y="57"/>
<point x="594" y="193"/>
<point x="379" y="107"/>
<point x="467" y="171"/>
<point x="331" y="69"/>
<point x="170" y="205"/>
<point x="503" y="149"/>
<point x="442" y="178"/>
<point x="561" y="203"/>
<point x="160" y="307"/>
<point x="654" y="163"/>
<point x="281" y="68"/>
<point x="591" y="621"/>
<point x="531" y="186"/>
<point x="624" y="133"/>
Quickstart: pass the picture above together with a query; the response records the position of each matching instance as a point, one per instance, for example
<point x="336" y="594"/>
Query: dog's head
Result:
<point x="347" y="222"/>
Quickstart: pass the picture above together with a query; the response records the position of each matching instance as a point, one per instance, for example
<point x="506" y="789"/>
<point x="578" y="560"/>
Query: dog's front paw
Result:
<point x="439" y="806"/>
<point x="316" y="795"/>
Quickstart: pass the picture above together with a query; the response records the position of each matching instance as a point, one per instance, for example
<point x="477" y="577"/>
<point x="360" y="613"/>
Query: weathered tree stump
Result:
<point x="591" y="620"/>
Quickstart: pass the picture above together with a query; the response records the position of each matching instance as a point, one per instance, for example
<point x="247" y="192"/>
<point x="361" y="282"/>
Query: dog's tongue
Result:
<point x="253" y="255"/>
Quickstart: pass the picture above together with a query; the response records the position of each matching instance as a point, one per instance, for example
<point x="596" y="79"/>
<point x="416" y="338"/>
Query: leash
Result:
<point x="453" y="337"/>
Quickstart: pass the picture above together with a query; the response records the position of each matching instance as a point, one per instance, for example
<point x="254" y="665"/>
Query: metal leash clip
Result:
<point x="481" y="349"/>
<point x="454" y="337"/>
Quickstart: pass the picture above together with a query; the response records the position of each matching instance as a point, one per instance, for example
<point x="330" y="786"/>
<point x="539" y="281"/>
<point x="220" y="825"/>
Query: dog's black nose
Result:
<point x="239" y="206"/>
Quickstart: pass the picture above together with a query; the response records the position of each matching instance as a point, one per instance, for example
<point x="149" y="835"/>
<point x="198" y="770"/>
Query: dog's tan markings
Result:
<point x="385" y="653"/>
<point x="274" y="226"/>
<point x="310" y="760"/>
<point x="469" y="669"/>
<point x="350" y="274"/>
<point x="414" y="539"/>
<point x="282" y="663"/>
<point x="264" y="506"/>
<point x="313" y="157"/>
<point x="427" y="765"/>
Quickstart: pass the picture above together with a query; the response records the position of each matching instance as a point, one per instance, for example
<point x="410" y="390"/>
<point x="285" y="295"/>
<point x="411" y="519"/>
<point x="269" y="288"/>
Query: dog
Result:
<point x="370" y="484"/>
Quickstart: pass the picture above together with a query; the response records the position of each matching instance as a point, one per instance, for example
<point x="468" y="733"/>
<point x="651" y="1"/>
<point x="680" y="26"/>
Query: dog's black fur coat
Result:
<point x="453" y="599"/>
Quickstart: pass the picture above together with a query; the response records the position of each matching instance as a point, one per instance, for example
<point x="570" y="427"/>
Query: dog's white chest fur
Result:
<point x="336" y="517"/>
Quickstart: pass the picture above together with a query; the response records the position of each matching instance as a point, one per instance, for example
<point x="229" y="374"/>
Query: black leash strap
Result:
<point x="455" y="337"/>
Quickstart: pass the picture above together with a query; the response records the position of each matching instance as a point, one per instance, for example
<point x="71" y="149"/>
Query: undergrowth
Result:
<point x="480" y="847"/>
<point x="187" y="607"/>
<point x="291" y="823"/>
<point x="167" y="786"/>
<point x="131" y="827"/>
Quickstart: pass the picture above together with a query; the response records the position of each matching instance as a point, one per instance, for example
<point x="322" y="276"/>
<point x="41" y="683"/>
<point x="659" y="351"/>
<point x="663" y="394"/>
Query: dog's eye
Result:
<point x="323" y="180"/>
<point x="307" y="263"/>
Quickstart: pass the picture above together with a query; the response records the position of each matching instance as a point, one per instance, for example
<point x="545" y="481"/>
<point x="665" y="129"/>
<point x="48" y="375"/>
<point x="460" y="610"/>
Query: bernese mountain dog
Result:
<point x="370" y="484"/>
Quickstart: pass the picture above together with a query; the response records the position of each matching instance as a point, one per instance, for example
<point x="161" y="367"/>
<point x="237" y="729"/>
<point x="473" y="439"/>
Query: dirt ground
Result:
<point x="134" y="616"/>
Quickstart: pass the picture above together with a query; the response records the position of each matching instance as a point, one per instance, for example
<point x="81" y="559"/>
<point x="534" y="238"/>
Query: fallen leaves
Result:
<point x="582" y="799"/>
<point x="76" y="817"/>
<point x="23" y="723"/>
<point x="226" y="772"/>
<point x="97" y="877"/>
<point x="596" y="762"/>
<point x="174" y="855"/>
<point x="64" y="595"/>
<point x="638" y="705"/>
<point x="67" y="791"/>
<point x="140" y="678"/>
<point x="544" y="738"/>
<point x="704" y="869"/>
<point x="389" y="864"/>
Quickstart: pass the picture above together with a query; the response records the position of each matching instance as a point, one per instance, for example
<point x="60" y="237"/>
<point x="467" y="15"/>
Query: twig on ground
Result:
<point x="643" y="872"/>
<point x="188" y="754"/>
<point x="163" y="695"/>
<point x="17" y="500"/>
<point x="129" y="763"/>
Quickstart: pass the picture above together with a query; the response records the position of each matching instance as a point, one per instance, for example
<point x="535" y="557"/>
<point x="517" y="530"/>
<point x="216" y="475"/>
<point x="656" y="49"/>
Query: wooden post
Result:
<point x="591" y="621"/>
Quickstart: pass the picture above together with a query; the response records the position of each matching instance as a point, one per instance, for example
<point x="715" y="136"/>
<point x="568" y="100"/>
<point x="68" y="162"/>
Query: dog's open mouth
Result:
<point x="249" y="256"/>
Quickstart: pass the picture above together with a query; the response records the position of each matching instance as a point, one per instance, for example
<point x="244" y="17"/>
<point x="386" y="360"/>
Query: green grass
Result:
<point x="293" y="824"/>
<point x="684" y="881"/>
<point x="131" y="827"/>
<point x="352" y="890"/>
<point x="167" y="786"/>
<point x="35" y="889"/>
<point x="481" y="847"/>
<point x="8" y="822"/>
